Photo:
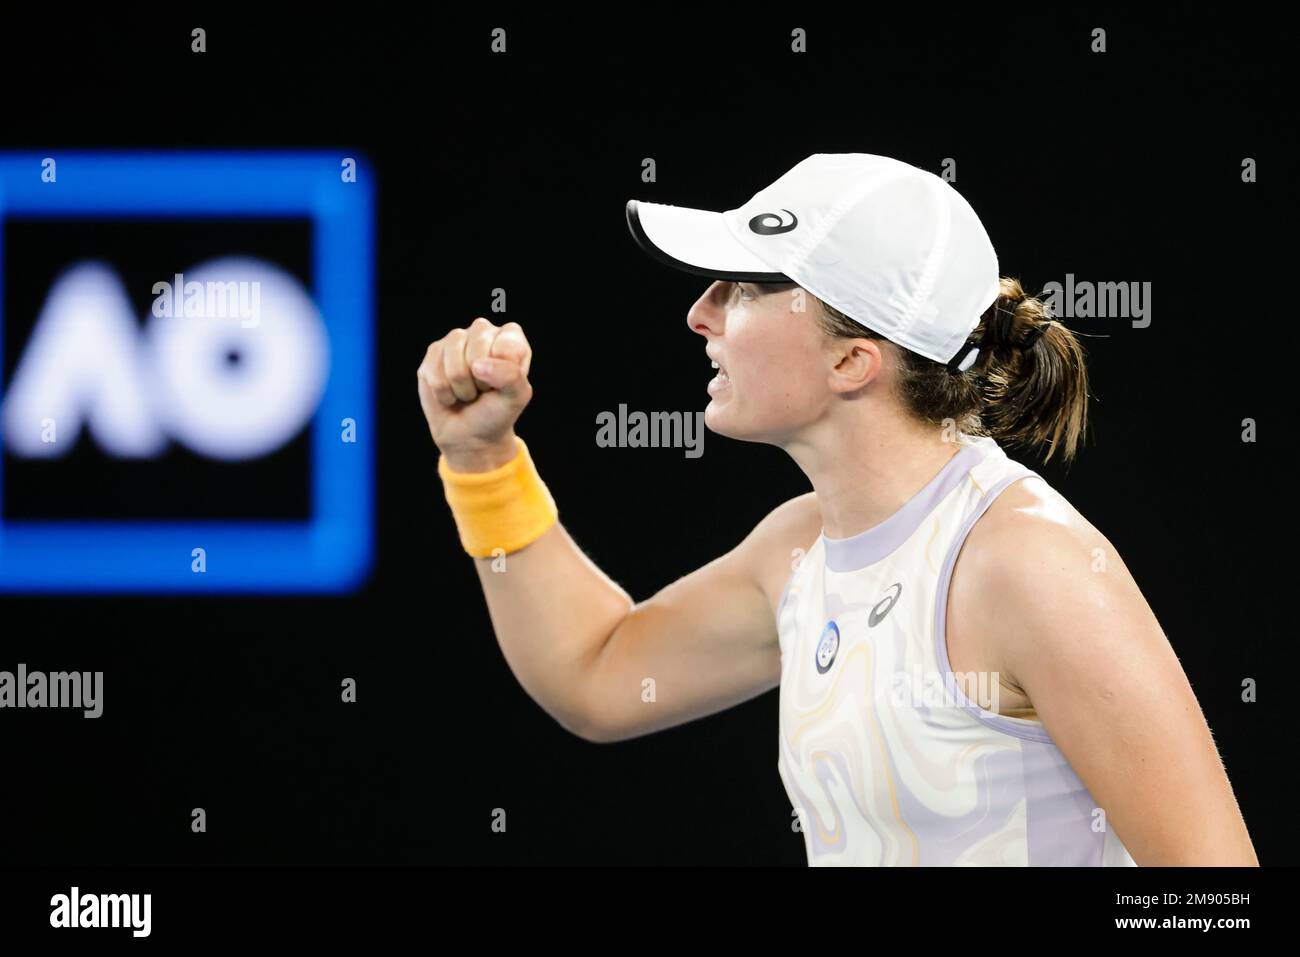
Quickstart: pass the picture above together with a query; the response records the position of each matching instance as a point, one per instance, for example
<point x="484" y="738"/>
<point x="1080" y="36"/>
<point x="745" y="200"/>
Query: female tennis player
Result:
<point x="968" y="673"/>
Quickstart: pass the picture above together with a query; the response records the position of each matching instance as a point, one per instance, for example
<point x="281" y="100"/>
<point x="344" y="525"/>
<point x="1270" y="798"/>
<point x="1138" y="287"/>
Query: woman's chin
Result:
<point x="716" y="419"/>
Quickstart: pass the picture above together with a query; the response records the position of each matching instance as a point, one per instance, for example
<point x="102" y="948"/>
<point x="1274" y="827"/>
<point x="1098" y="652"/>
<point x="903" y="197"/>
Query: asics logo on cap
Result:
<point x="758" y="225"/>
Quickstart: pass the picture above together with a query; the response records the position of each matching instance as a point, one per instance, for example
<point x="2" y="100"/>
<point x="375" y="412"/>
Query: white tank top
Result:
<point x="885" y="758"/>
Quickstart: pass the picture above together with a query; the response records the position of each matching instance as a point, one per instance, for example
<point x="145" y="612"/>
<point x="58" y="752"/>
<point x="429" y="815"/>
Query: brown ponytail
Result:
<point x="1028" y="386"/>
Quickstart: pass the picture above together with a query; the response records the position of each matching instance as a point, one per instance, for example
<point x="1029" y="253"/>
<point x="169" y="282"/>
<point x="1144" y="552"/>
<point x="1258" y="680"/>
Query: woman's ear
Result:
<point x="857" y="362"/>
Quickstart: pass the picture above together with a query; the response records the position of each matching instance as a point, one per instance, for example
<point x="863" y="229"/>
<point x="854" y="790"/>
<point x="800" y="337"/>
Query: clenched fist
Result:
<point x="473" y="385"/>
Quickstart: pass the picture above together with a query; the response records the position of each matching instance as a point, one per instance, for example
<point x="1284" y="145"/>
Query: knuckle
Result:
<point x="453" y="360"/>
<point x="507" y="345"/>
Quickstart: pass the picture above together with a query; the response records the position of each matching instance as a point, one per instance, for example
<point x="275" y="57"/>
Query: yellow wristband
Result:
<point x="506" y="508"/>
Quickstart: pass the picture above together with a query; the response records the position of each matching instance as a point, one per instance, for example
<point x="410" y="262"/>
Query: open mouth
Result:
<point x="722" y="373"/>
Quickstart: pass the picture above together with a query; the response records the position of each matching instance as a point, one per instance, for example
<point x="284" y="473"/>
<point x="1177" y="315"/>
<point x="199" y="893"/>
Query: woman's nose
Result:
<point x="708" y="314"/>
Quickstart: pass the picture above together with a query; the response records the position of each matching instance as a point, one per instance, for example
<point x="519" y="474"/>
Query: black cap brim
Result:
<point x="696" y="241"/>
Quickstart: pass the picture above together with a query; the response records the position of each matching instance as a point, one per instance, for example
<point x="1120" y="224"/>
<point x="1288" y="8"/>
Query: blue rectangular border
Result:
<point x="333" y="550"/>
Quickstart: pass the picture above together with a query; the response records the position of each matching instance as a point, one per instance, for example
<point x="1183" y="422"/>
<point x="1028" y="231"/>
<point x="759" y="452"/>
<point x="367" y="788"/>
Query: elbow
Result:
<point x="581" y="726"/>
<point x="591" y="733"/>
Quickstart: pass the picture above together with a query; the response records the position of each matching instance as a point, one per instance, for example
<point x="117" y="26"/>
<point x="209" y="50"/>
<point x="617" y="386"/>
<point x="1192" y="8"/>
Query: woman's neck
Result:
<point x="862" y="482"/>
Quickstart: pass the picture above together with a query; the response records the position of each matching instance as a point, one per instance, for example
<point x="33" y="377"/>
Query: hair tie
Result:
<point x="1000" y="327"/>
<point x="1036" y="333"/>
<point x="997" y="331"/>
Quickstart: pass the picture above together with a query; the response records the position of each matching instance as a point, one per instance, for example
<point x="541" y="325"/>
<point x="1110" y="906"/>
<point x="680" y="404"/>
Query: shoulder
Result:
<point x="800" y="515"/>
<point x="1027" y="522"/>
<point x="773" y="549"/>
<point x="796" y="522"/>
<point x="1036" y="571"/>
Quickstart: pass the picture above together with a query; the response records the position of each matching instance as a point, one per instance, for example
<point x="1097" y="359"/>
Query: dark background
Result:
<point x="512" y="171"/>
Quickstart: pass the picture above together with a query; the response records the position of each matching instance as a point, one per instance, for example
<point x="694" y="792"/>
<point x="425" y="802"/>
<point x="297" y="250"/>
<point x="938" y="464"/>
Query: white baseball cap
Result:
<point x="892" y="246"/>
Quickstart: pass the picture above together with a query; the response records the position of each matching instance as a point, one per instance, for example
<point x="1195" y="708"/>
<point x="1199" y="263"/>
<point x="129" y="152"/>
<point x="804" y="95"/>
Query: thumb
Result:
<point x="501" y="374"/>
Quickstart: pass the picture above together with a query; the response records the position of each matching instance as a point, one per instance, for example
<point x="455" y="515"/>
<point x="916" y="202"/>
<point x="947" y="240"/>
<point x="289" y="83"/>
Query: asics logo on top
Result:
<point x="760" y="225"/>
<point x="828" y="644"/>
<point x="878" y="613"/>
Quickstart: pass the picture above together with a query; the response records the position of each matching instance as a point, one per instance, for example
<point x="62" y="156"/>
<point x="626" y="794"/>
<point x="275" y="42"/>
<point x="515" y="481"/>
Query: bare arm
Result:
<point x="704" y="643"/>
<point x="608" y="668"/>
<point x="1088" y="651"/>
<point x="605" y="667"/>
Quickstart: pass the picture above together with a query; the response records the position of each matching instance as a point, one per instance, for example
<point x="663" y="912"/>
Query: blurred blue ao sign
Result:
<point x="93" y="367"/>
